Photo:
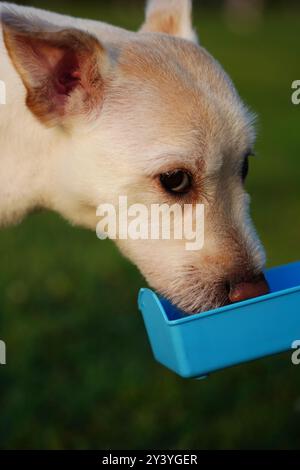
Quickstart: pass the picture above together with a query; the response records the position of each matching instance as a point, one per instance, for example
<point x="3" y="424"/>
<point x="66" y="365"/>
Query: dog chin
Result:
<point x="201" y="301"/>
<point x="202" y="307"/>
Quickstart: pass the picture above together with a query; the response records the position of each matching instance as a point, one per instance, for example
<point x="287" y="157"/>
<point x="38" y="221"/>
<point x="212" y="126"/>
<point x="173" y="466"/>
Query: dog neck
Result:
<point x="36" y="165"/>
<point x="25" y="158"/>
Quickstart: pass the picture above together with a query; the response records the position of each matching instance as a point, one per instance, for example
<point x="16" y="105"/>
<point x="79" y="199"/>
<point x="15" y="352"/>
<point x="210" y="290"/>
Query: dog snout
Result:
<point x="248" y="289"/>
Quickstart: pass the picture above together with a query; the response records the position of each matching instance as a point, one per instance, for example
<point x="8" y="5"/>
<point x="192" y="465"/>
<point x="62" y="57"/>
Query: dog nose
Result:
<point x="249" y="289"/>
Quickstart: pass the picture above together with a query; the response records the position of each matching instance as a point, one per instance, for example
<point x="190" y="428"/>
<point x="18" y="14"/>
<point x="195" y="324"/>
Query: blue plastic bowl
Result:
<point x="195" y="346"/>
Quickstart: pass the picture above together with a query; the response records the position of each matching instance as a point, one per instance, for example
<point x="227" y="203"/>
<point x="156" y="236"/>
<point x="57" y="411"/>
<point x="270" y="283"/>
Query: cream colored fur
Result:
<point x="167" y="104"/>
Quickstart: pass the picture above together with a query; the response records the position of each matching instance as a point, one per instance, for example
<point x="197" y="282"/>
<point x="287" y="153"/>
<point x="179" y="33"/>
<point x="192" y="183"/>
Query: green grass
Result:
<point x="80" y="373"/>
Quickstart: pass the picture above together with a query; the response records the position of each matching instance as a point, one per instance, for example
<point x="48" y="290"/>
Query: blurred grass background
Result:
<point x="80" y="373"/>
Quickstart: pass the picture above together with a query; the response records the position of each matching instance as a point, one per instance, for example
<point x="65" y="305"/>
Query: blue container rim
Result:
<point x="221" y="310"/>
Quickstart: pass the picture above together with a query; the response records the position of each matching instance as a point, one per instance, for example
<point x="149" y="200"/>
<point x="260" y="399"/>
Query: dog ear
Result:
<point x="63" y="70"/>
<point x="172" y="17"/>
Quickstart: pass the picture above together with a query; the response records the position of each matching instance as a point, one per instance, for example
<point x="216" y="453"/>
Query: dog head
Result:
<point x="151" y="116"/>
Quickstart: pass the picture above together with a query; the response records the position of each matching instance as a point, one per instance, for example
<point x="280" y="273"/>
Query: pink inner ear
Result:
<point x="52" y="66"/>
<point x="59" y="64"/>
<point x="66" y="74"/>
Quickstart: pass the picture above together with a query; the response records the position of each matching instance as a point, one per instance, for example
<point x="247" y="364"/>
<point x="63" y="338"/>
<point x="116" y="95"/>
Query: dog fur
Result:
<point x="94" y="112"/>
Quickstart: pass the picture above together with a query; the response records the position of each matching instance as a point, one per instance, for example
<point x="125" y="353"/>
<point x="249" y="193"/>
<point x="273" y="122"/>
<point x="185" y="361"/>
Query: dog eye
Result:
<point x="178" y="181"/>
<point x="245" y="168"/>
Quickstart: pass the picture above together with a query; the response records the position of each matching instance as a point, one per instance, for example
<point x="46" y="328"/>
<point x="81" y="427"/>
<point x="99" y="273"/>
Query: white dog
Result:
<point x="94" y="112"/>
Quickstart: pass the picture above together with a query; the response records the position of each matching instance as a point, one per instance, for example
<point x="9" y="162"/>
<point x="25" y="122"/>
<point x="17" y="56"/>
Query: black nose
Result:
<point x="248" y="289"/>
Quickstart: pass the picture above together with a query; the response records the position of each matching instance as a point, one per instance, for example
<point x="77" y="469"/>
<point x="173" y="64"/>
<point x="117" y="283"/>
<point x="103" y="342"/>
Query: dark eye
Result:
<point x="178" y="181"/>
<point x="245" y="168"/>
